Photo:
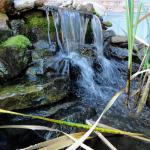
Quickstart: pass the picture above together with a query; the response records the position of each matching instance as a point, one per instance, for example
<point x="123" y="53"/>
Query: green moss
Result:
<point x="20" y="89"/>
<point x="108" y="23"/>
<point x="40" y="21"/>
<point x="19" y="41"/>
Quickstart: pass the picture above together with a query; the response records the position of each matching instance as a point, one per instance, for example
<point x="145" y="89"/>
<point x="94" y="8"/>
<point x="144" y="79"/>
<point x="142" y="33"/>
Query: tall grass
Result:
<point x="144" y="82"/>
<point x="131" y="29"/>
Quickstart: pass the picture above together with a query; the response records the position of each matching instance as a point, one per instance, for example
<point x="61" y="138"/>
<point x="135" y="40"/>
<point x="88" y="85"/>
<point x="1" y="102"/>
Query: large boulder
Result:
<point x="25" y="96"/>
<point x="5" y="31"/>
<point x="14" y="57"/>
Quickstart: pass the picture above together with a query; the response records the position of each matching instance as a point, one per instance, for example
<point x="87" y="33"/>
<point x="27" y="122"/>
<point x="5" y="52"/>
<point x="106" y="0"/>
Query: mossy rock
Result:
<point x="14" y="57"/>
<point x="19" y="42"/>
<point x="25" y="96"/>
<point x="36" y="26"/>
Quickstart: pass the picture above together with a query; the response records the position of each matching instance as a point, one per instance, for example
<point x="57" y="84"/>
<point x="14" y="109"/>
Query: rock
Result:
<point x="85" y="8"/>
<point x="122" y="41"/>
<point x="14" y="57"/>
<point x="97" y="7"/>
<point x="119" y="39"/>
<point x="41" y="44"/>
<point x="5" y="5"/>
<point x="36" y="28"/>
<point x="108" y="34"/>
<point x="25" y="96"/>
<point x="24" y="4"/>
<point x="62" y="3"/>
<point x="16" y="26"/>
<point x="41" y="56"/>
<point x="56" y="66"/>
<point x="88" y="52"/>
<point x="5" y="32"/>
<point x="121" y="54"/>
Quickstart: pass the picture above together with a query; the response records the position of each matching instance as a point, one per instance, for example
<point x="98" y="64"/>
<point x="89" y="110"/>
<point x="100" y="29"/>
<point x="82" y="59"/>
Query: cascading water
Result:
<point x="73" y="27"/>
<point x="109" y="71"/>
<point x="48" y="22"/>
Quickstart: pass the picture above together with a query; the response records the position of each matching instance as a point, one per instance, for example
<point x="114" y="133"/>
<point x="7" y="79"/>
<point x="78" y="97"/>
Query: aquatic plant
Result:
<point x="144" y="81"/>
<point x="131" y="30"/>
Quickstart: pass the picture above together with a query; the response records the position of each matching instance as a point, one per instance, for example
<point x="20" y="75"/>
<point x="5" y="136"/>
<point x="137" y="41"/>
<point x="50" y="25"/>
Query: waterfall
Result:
<point x="86" y="81"/>
<point x="56" y="23"/>
<point x="109" y="72"/>
<point x="98" y="36"/>
<point x="48" y="26"/>
<point x="73" y="28"/>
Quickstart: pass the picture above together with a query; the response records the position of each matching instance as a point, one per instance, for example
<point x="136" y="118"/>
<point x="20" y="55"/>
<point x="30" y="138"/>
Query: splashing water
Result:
<point x="73" y="26"/>
<point x="87" y="72"/>
<point x="98" y="36"/>
<point x="109" y="72"/>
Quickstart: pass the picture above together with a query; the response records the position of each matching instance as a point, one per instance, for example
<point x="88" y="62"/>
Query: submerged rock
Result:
<point x="14" y="57"/>
<point x="5" y="31"/>
<point x="25" y="96"/>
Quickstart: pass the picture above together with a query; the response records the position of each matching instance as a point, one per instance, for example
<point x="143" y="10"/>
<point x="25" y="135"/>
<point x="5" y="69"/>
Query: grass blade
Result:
<point x="103" y="138"/>
<point x="144" y="96"/>
<point x="71" y="124"/>
<point x="87" y="134"/>
<point x="132" y="136"/>
<point x="35" y="127"/>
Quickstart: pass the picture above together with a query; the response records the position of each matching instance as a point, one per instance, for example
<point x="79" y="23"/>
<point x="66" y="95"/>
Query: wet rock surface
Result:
<point x="29" y="96"/>
<point x="14" y="57"/>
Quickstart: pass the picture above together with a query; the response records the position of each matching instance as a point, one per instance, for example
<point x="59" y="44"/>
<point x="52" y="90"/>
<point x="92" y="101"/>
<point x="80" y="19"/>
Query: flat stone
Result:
<point x="119" y="39"/>
<point x="25" y="96"/>
<point x="21" y="5"/>
<point x="24" y="4"/>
